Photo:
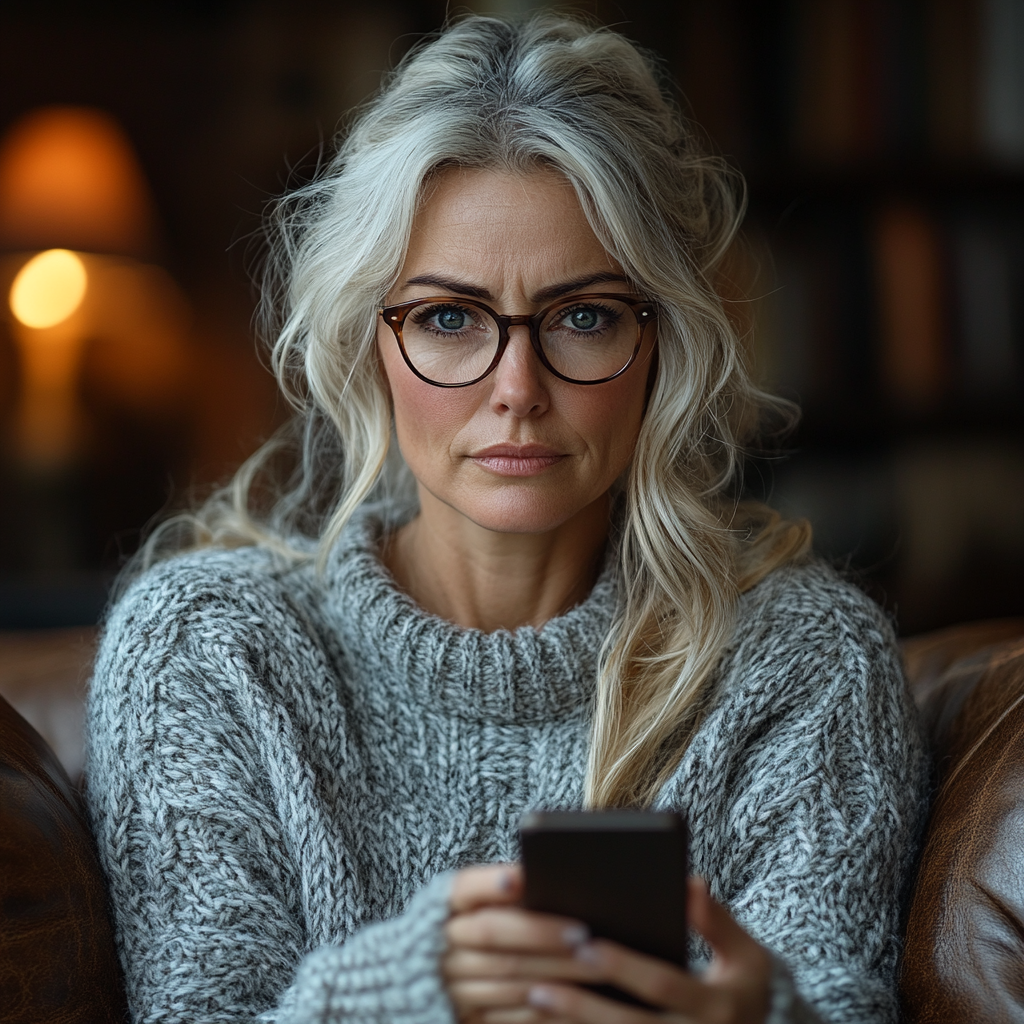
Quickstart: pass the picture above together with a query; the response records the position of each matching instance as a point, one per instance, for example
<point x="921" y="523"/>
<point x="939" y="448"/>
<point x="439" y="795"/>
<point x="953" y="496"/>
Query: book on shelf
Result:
<point x="1002" y="92"/>
<point x="952" y="29"/>
<point x="860" y="81"/>
<point x="912" y="321"/>
<point x="986" y="263"/>
<point x="903" y="304"/>
<point x="814" y="337"/>
<point x="826" y="80"/>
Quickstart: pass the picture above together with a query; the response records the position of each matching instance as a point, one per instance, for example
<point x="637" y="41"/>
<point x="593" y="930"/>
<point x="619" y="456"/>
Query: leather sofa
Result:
<point x="57" y="959"/>
<point x="964" y="952"/>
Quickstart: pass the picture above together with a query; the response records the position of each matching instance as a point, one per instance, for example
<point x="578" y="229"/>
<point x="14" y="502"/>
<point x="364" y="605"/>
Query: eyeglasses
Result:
<point x="587" y="339"/>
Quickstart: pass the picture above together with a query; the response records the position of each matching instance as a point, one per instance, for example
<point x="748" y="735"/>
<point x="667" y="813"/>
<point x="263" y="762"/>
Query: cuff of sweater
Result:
<point x="786" y="1005"/>
<point x="387" y="973"/>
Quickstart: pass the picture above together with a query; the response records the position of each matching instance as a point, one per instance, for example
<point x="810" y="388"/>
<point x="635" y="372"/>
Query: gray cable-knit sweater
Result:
<point x="284" y="769"/>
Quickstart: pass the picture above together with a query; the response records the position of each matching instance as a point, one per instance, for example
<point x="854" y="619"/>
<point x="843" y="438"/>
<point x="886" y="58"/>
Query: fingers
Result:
<point x="656" y="982"/>
<point x="583" y="1007"/>
<point x="488" y="884"/>
<point x="740" y="970"/>
<point x="495" y="952"/>
<point x="509" y="928"/>
<point x="493" y="1001"/>
<point x="464" y="963"/>
<point x="505" y="965"/>
<point x="520" y="1015"/>
<point x="732" y="947"/>
<point x="477" y="995"/>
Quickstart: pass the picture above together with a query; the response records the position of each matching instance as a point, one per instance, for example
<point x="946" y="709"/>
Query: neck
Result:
<point x="482" y="579"/>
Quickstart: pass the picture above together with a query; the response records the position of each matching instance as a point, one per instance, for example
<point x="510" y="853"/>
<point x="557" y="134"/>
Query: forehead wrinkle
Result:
<point x="524" y="236"/>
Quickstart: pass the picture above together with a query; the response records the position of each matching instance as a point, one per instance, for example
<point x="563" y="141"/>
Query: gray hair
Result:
<point x="584" y="101"/>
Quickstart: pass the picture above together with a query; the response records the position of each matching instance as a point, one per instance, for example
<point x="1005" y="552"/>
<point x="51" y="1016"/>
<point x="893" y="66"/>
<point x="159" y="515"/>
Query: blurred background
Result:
<point x="883" y="144"/>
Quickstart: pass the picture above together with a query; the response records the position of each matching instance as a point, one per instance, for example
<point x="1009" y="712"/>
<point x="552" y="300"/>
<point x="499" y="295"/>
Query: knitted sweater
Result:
<point x="285" y="768"/>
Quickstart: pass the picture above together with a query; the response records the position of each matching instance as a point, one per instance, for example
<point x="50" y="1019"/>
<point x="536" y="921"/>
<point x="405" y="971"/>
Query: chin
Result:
<point x="520" y="510"/>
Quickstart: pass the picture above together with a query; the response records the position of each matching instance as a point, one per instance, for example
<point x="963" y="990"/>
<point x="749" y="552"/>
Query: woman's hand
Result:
<point x="505" y="965"/>
<point x="735" y="989"/>
<point x="497" y="952"/>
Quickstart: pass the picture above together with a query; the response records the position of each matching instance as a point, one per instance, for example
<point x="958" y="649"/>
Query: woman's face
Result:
<point x="521" y="451"/>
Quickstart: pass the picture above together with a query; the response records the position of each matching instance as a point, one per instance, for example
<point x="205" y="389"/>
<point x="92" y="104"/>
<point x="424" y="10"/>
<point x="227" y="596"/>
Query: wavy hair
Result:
<point x="556" y="92"/>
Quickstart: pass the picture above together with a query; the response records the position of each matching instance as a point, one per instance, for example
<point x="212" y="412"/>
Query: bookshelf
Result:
<point x="883" y="146"/>
<point x="898" y="292"/>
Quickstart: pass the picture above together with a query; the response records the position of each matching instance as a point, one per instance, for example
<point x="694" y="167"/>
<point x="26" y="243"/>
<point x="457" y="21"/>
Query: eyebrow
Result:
<point x="555" y="291"/>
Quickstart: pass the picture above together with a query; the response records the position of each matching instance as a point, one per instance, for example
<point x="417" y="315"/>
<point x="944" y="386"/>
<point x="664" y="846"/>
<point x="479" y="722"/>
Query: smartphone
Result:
<point x="622" y="873"/>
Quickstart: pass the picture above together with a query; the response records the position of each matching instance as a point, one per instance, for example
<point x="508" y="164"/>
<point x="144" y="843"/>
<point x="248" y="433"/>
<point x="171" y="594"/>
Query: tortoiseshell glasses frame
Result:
<point x="644" y="310"/>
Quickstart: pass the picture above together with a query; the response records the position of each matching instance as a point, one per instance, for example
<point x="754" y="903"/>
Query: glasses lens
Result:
<point x="450" y="342"/>
<point x="589" y="339"/>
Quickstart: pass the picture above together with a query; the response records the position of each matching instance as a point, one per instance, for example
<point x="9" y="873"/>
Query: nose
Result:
<point x="518" y="385"/>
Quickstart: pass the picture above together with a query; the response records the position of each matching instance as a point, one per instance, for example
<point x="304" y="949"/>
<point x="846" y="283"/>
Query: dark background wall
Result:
<point x="883" y="142"/>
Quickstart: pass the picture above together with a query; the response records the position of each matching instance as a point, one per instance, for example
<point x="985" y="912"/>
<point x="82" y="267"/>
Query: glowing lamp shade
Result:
<point x="69" y="178"/>
<point x="49" y="288"/>
<point x="70" y="185"/>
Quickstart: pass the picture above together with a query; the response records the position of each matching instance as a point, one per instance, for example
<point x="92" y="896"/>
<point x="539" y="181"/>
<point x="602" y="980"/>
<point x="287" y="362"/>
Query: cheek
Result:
<point x="610" y="420"/>
<point x="421" y="421"/>
<point x="426" y="418"/>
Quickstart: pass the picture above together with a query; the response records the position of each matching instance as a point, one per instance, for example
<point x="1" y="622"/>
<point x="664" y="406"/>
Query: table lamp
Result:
<point x="71" y="193"/>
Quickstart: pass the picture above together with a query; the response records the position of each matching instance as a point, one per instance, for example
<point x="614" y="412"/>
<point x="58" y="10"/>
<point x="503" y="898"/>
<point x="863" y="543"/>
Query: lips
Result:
<point x="517" y="459"/>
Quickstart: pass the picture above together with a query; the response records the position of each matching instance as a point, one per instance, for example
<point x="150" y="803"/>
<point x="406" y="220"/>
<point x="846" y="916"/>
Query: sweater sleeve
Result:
<point x="805" y="790"/>
<point x="228" y="894"/>
<point x="387" y="971"/>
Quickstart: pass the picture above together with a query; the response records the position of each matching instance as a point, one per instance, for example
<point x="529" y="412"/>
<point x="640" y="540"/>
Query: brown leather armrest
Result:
<point x="964" y="953"/>
<point x="927" y="657"/>
<point x="57" y="957"/>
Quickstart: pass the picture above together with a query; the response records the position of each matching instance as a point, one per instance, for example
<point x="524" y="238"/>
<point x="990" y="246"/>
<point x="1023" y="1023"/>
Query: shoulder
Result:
<point x="240" y="583"/>
<point x="810" y="591"/>
<point x="807" y="618"/>
<point x="212" y="673"/>
<point x="813" y="660"/>
<point x="208" y="576"/>
<point x="204" y="607"/>
<point x="812" y="727"/>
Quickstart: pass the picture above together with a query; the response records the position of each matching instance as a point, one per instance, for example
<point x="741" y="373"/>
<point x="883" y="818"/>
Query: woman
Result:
<point x="313" y="736"/>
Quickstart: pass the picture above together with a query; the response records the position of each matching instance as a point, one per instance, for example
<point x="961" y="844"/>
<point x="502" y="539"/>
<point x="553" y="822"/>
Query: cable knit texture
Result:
<point x="284" y="769"/>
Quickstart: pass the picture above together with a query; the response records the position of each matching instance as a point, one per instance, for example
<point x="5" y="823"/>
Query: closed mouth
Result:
<point x="517" y="459"/>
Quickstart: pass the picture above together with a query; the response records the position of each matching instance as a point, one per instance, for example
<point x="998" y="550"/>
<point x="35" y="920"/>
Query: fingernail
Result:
<point x="575" y="935"/>
<point x="541" y="997"/>
<point x="587" y="953"/>
<point x="505" y="881"/>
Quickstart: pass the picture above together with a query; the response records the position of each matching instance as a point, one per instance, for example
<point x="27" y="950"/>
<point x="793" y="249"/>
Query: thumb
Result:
<point x="486" y="885"/>
<point x="728" y="941"/>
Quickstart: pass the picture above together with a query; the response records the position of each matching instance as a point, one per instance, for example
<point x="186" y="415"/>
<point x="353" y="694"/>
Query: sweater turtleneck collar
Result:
<point x="528" y="675"/>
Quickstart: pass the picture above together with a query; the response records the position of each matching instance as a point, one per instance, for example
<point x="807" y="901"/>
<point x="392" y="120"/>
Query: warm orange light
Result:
<point x="126" y="340"/>
<point x="69" y="177"/>
<point x="49" y="288"/>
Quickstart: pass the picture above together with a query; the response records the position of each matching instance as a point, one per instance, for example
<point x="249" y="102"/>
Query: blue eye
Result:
<point x="591" y="319"/>
<point x="583" y="319"/>
<point x="452" y="319"/>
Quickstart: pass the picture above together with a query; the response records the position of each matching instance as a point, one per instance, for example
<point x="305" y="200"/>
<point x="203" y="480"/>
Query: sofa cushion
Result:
<point x="57" y="957"/>
<point x="964" y="953"/>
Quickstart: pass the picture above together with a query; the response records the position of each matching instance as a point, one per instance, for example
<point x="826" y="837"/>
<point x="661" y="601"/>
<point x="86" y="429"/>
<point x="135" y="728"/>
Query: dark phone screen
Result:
<point x="622" y="873"/>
